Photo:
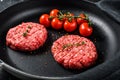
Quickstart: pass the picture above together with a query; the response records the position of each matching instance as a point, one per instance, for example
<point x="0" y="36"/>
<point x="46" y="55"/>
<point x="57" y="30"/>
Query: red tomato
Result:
<point x="82" y="19"/>
<point x="56" y="23"/>
<point x="54" y="12"/>
<point x="70" y="26"/>
<point x="85" y="29"/>
<point x="44" y="20"/>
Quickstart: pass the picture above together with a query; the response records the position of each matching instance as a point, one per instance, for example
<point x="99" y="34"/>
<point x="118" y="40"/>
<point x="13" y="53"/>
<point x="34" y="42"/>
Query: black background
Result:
<point x="110" y="5"/>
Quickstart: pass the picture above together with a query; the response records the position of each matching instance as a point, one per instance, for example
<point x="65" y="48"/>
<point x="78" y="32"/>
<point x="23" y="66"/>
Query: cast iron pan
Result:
<point x="40" y="64"/>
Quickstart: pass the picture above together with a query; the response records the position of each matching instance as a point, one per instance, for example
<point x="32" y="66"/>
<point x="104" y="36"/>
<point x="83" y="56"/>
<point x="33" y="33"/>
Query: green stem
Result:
<point x="90" y="23"/>
<point x="61" y="13"/>
<point x="51" y="17"/>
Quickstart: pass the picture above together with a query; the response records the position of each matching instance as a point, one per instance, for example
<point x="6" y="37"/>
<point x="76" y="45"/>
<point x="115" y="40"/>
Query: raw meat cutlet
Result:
<point x="74" y="52"/>
<point x="27" y="36"/>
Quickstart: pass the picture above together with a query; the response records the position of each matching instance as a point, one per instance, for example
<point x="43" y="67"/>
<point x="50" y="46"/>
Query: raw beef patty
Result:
<point x="74" y="52"/>
<point x="27" y="36"/>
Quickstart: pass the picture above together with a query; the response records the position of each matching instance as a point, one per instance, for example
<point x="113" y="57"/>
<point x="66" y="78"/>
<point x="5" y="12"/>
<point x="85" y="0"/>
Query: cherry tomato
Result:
<point x="54" y="12"/>
<point x="70" y="26"/>
<point x="44" y="20"/>
<point x="85" y="29"/>
<point x="82" y="19"/>
<point x="56" y="23"/>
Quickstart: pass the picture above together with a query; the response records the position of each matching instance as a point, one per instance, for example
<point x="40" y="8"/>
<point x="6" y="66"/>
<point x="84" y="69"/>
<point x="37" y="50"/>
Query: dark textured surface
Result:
<point x="7" y="3"/>
<point x="4" y="4"/>
<point x="111" y="7"/>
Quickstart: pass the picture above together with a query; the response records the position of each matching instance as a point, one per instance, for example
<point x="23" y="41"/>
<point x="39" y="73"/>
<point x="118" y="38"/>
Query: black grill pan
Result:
<point x="40" y="64"/>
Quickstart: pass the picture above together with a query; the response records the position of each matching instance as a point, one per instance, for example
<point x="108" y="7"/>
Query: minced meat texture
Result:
<point x="27" y="36"/>
<point x="74" y="52"/>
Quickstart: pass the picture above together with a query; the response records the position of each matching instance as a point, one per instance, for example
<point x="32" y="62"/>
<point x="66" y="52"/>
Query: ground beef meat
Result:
<point x="74" y="52"/>
<point x="27" y="36"/>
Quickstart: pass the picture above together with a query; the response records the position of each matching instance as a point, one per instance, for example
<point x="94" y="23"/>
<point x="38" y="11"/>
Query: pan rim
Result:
<point x="5" y="65"/>
<point x="9" y="68"/>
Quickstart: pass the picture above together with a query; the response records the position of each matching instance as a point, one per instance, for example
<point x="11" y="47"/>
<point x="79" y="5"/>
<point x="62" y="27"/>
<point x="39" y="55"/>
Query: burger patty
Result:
<point x="27" y="36"/>
<point x="74" y="52"/>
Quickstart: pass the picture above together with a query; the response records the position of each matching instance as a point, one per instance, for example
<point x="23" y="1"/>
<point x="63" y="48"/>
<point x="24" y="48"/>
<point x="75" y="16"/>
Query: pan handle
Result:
<point x="111" y="7"/>
<point x="93" y="2"/>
